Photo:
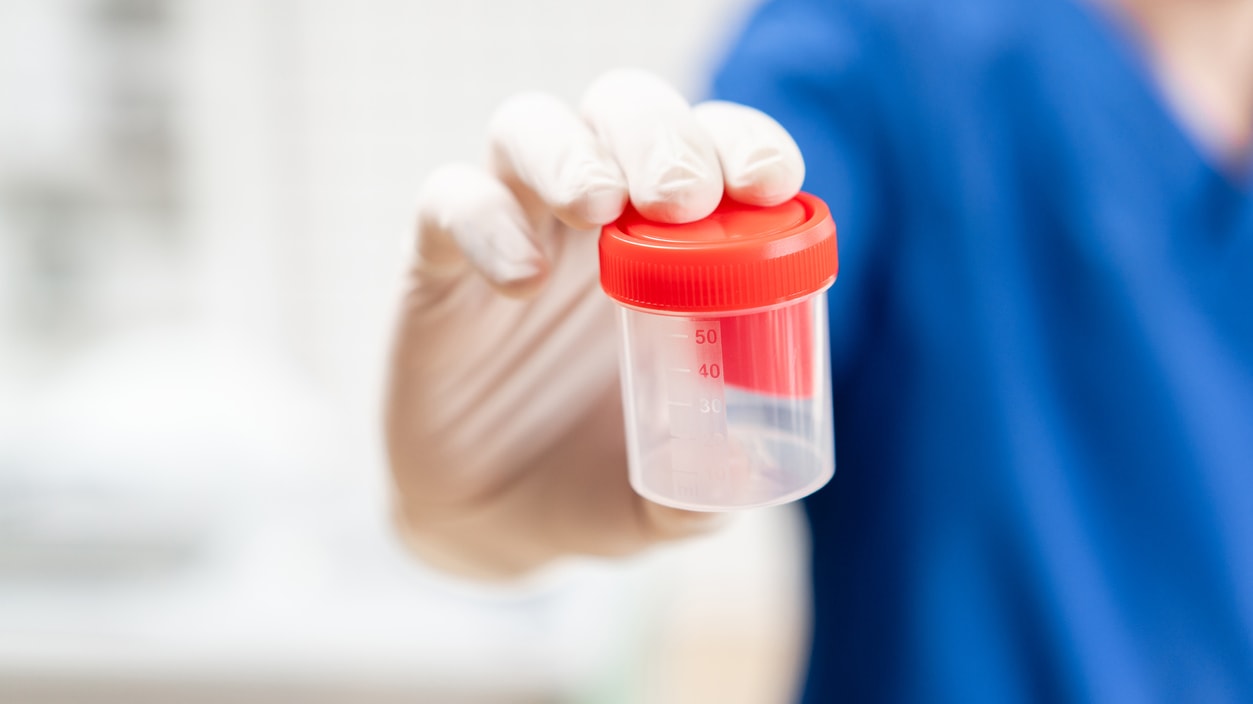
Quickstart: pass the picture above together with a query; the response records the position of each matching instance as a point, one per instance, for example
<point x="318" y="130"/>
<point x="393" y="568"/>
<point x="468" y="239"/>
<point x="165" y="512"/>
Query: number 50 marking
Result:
<point x="709" y="336"/>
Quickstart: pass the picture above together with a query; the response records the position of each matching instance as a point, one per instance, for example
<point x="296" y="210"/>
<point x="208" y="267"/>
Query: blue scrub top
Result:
<point x="1042" y="336"/>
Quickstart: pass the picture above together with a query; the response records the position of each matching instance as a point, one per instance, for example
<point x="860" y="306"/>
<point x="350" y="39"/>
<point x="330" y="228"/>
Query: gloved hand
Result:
<point x="504" y="423"/>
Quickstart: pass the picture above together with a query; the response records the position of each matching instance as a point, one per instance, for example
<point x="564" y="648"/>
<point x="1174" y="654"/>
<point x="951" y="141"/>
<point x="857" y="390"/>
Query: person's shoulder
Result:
<point x="915" y="30"/>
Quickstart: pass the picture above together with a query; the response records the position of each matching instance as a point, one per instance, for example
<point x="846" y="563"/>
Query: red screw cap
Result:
<point x="739" y="258"/>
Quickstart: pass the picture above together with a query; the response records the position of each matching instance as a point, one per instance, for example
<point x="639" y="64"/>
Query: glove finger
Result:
<point x="670" y="163"/>
<point x="539" y="145"/>
<point x="467" y="216"/>
<point x="761" y="164"/>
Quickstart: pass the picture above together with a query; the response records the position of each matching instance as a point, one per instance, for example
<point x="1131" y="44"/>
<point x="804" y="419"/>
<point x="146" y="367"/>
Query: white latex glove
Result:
<point x="504" y="426"/>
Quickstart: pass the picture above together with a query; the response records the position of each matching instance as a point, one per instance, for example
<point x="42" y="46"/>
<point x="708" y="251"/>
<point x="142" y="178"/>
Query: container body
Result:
<point x="728" y="410"/>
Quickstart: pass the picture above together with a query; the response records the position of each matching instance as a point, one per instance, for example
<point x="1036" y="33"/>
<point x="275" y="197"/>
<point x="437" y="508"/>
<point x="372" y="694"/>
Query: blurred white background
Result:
<point x="204" y="207"/>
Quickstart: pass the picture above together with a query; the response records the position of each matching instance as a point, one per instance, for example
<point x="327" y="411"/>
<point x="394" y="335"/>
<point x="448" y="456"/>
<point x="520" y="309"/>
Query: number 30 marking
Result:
<point x="710" y="405"/>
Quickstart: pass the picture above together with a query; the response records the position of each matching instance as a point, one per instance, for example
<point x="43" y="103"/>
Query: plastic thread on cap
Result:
<point x="739" y="258"/>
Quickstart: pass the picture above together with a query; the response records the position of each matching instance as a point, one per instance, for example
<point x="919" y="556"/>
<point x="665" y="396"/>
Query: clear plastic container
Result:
<point x="725" y="365"/>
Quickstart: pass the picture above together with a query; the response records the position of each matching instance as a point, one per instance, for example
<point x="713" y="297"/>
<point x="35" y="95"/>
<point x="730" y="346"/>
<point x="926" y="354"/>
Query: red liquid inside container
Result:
<point x="770" y="352"/>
